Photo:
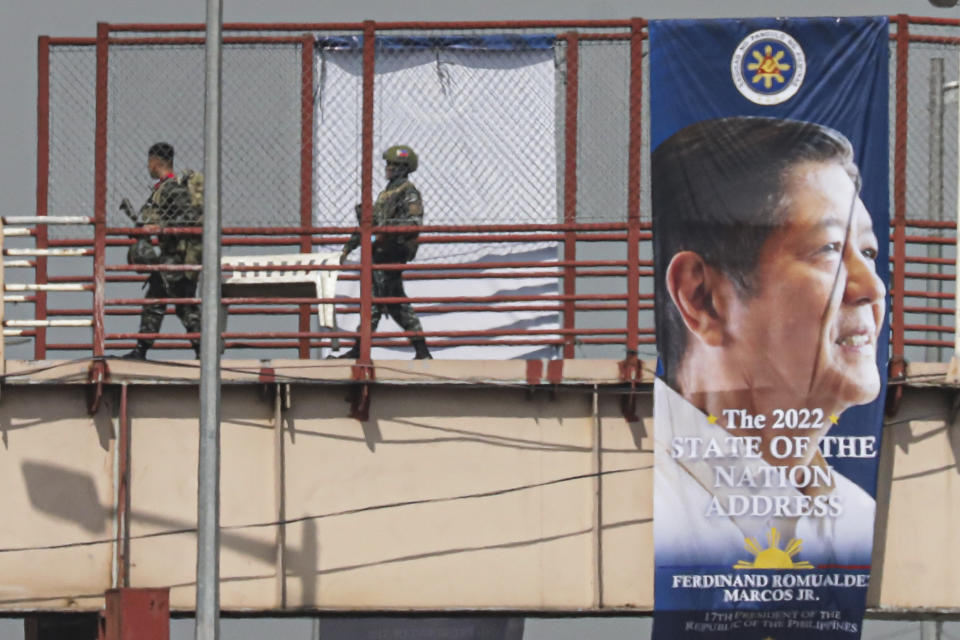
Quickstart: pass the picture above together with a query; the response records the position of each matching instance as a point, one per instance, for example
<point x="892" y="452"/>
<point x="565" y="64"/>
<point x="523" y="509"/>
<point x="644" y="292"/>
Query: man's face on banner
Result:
<point x="813" y="320"/>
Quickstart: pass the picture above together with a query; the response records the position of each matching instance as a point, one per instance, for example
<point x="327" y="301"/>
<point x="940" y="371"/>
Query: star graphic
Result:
<point x="712" y="419"/>
<point x="834" y="419"/>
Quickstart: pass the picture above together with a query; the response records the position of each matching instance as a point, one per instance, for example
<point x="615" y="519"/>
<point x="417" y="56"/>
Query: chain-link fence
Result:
<point x="72" y="120"/>
<point x="603" y="176"/>
<point x="479" y="112"/>
<point x="156" y="93"/>
<point x="931" y="189"/>
<point x="603" y="130"/>
<point x="69" y="181"/>
<point x="486" y="109"/>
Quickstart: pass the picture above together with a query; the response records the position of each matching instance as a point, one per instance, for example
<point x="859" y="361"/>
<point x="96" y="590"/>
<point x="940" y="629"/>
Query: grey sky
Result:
<point x="22" y="21"/>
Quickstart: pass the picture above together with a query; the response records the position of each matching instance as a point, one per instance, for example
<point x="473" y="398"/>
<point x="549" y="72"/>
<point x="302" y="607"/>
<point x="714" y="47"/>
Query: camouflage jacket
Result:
<point x="398" y="205"/>
<point x="170" y="206"/>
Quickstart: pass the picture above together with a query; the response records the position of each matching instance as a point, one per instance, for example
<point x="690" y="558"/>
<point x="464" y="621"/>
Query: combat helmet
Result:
<point x="403" y="155"/>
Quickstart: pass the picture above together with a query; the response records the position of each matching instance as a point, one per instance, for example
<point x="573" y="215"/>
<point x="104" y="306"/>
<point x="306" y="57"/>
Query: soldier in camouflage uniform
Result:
<point x="169" y="205"/>
<point x="399" y="204"/>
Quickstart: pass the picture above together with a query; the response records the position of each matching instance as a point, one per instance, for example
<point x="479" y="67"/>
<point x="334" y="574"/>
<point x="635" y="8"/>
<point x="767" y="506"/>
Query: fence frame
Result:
<point x="305" y="237"/>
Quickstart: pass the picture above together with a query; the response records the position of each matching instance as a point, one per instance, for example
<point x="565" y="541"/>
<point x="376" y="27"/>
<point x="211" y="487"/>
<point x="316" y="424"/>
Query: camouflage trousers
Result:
<point x="389" y="284"/>
<point x="152" y="315"/>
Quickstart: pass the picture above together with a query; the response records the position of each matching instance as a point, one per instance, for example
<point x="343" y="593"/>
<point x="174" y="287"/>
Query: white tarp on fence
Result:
<point x="483" y="123"/>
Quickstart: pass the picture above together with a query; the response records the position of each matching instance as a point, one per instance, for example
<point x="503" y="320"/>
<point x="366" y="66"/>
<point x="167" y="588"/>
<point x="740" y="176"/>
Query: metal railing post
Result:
<point x="366" y="192"/>
<point x="306" y="172"/>
<point x="570" y="190"/>
<point x="633" y="190"/>
<point x="100" y="190"/>
<point x="43" y="190"/>
<point x="897" y="320"/>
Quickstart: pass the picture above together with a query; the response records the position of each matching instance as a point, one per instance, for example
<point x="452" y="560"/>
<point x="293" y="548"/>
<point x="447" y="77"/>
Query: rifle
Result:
<point x="127" y="208"/>
<point x="142" y="252"/>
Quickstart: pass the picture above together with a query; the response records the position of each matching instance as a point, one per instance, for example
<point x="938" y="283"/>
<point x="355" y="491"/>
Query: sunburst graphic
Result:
<point x="773" y="557"/>
<point x="768" y="66"/>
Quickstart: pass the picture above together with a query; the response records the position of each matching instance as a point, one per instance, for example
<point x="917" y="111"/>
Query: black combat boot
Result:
<point x="351" y="354"/>
<point x="196" y="348"/>
<point x="421" y="348"/>
<point x="139" y="352"/>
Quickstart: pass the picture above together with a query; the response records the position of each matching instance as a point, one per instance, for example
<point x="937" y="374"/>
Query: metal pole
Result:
<point x="208" y="468"/>
<point x="280" y="493"/>
<point x="930" y="629"/>
<point x="598" y="503"/>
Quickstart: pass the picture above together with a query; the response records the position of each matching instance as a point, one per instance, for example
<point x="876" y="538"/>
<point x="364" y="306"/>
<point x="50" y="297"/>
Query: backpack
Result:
<point x="190" y="249"/>
<point x="193" y="181"/>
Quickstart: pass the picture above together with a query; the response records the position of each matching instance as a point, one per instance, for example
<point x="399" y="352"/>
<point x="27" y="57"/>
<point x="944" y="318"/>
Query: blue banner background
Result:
<point x="846" y="88"/>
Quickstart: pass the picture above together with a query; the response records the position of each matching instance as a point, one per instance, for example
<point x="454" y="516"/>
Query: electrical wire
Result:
<point x="333" y="514"/>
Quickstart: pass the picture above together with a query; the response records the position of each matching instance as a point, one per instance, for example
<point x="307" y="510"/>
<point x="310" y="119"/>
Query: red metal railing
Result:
<point x="633" y="197"/>
<point x="100" y="191"/>
<point x="43" y="165"/>
<point x="570" y="189"/>
<point x="633" y="272"/>
<point x="569" y="269"/>
<point x="898" y="282"/>
<point x="306" y="171"/>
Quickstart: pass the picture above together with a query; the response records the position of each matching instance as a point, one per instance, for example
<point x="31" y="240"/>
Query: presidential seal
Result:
<point x="768" y="67"/>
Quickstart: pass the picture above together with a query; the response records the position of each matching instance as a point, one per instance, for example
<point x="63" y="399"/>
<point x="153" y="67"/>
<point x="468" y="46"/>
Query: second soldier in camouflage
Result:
<point x="398" y="205"/>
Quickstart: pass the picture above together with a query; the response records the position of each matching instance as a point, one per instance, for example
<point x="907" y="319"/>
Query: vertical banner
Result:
<point x="769" y="195"/>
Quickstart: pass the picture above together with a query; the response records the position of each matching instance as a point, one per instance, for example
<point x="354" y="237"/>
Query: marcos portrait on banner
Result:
<point x="769" y="312"/>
